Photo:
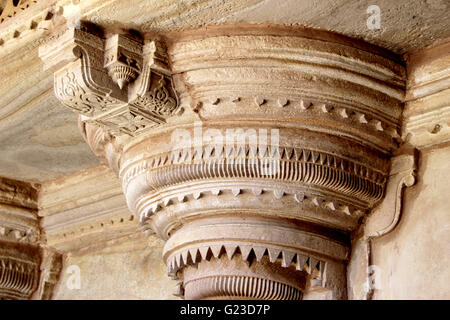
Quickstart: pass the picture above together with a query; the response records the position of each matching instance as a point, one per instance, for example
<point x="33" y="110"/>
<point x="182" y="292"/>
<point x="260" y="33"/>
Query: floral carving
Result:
<point x="157" y="101"/>
<point x="70" y="93"/>
<point x="99" y="87"/>
<point x="127" y="122"/>
<point x="75" y="97"/>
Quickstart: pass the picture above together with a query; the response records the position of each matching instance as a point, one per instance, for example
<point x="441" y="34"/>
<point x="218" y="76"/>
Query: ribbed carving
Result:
<point x="122" y="74"/>
<point x="17" y="278"/>
<point x="292" y="165"/>
<point x="242" y="287"/>
<point x="150" y="208"/>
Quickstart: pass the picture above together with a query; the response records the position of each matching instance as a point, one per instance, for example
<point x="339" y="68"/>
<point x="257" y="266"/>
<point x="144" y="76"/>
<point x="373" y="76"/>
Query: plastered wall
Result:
<point x="412" y="262"/>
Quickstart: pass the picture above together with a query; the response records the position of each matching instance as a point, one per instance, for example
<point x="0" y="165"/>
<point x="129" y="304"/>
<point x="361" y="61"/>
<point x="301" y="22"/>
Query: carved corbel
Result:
<point x="118" y="82"/>
<point x="83" y="83"/>
<point x="385" y="217"/>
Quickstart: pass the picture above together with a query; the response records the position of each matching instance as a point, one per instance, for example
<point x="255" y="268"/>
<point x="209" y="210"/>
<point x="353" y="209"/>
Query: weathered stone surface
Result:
<point x="405" y="26"/>
<point x="77" y="213"/>
<point x="427" y="109"/>
<point x="264" y="154"/>
<point x="299" y="191"/>
<point x="19" y="270"/>
<point x="125" y="269"/>
<point x="385" y="259"/>
<point x="420" y="243"/>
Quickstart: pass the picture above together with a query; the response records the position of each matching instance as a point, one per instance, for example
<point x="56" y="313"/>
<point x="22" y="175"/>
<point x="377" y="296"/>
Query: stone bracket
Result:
<point x="386" y="216"/>
<point x="382" y="220"/>
<point x="119" y="82"/>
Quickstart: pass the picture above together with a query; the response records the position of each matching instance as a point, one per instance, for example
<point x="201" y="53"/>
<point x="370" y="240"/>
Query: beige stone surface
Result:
<point x="46" y="146"/>
<point x="39" y="139"/>
<point x="129" y="269"/>
<point x="413" y="259"/>
<point x="43" y="146"/>
<point x="342" y="107"/>
<point x="405" y="25"/>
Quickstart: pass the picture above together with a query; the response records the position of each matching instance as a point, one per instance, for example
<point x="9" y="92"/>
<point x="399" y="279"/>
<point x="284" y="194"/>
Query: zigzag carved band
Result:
<point x="285" y="164"/>
<point x="285" y="257"/>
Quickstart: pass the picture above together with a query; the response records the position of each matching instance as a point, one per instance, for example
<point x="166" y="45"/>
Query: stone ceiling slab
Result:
<point x="405" y="25"/>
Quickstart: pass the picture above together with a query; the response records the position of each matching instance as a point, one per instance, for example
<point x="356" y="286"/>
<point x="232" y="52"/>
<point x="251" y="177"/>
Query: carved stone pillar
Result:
<point x="253" y="153"/>
<point x="28" y="270"/>
<point x="19" y="235"/>
<point x="425" y="125"/>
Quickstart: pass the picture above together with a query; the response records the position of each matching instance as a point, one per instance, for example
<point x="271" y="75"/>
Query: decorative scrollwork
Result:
<point x="84" y="101"/>
<point x="71" y="93"/>
<point x="127" y="122"/>
<point x="157" y="101"/>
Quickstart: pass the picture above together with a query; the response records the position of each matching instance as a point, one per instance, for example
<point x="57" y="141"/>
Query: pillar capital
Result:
<point x="253" y="153"/>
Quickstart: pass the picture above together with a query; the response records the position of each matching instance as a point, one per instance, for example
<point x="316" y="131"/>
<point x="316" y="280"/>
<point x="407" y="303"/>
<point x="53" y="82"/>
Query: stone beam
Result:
<point x="84" y="209"/>
<point x="254" y="153"/>
<point x="427" y="107"/>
